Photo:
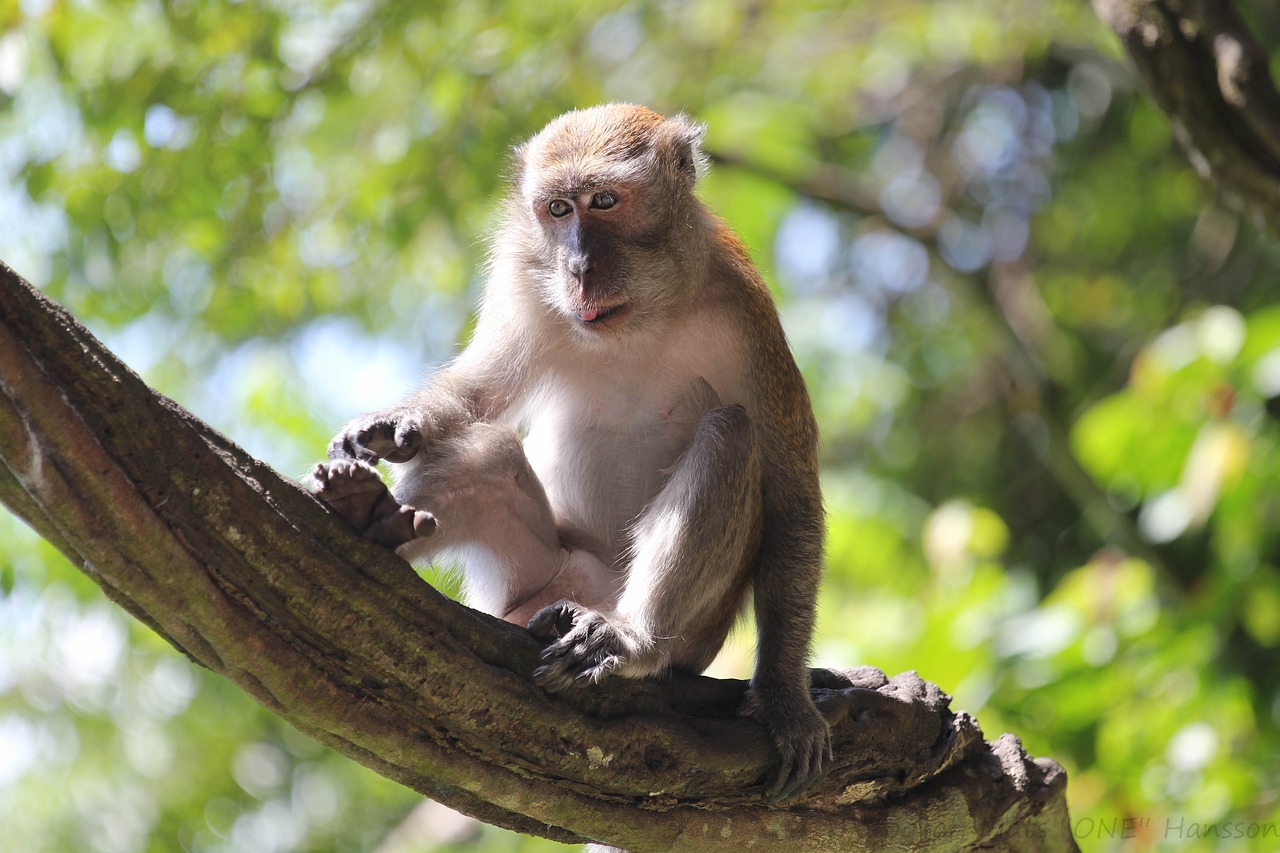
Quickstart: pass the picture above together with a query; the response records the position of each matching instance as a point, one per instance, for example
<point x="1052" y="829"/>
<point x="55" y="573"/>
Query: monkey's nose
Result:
<point x="580" y="266"/>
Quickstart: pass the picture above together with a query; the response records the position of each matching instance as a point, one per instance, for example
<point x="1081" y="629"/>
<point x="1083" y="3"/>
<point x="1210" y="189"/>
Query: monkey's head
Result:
<point x="604" y="203"/>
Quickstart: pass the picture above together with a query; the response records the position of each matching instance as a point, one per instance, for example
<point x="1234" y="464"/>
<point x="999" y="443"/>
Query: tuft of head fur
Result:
<point x="589" y="148"/>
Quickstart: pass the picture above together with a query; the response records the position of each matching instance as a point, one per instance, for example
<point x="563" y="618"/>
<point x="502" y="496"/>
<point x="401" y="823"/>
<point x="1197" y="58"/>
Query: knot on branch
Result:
<point x="894" y="735"/>
<point x="891" y="734"/>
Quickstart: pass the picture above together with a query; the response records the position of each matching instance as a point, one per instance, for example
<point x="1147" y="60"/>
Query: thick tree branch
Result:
<point x="1206" y="70"/>
<point x="252" y="577"/>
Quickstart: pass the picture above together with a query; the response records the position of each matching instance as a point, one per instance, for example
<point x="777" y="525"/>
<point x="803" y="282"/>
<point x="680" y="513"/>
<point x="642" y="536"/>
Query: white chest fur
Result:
<point x="602" y="434"/>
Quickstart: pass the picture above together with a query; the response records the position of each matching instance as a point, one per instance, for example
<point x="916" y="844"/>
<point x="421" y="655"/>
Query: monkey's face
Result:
<point x="597" y="249"/>
<point x="607" y="196"/>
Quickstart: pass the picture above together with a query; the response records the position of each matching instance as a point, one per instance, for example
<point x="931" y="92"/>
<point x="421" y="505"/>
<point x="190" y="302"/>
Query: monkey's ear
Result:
<point x="679" y="142"/>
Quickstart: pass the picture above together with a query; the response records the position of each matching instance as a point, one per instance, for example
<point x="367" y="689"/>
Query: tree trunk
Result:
<point x="250" y="576"/>
<point x="1205" y="69"/>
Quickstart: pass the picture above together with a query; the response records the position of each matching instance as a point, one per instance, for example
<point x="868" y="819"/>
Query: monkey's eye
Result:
<point x="604" y="200"/>
<point x="559" y="208"/>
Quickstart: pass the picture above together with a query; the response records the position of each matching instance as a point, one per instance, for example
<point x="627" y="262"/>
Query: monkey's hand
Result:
<point x="355" y="490"/>
<point x="394" y="435"/>
<point x="585" y="646"/>
<point x="801" y="735"/>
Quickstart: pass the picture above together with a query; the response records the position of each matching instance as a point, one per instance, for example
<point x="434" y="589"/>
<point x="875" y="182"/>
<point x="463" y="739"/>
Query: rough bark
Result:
<point x="1205" y="69"/>
<point x="253" y="578"/>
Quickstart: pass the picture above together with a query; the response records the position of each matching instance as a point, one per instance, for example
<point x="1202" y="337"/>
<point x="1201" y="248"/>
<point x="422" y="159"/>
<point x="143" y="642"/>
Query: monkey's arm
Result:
<point x="787" y="577"/>
<point x="396" y="433"/>
<point x="478" y="385"/>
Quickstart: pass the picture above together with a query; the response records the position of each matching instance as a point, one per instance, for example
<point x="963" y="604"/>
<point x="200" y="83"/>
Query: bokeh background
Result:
<point x="1045" y="360"/>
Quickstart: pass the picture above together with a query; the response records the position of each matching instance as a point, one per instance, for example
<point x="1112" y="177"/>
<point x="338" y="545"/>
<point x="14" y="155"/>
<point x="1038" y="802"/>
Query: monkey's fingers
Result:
<point x="362" y="443"/>
<point x="407" y="439"/>
<point x="794" y="780"/>
<point x="375" y="437"/>
<point x="596" y="654"/>
<point x="551" y="678"/>
<point x="347" y="480"/>
<point x="598" y="670"/>
<point x="801" y="735"/>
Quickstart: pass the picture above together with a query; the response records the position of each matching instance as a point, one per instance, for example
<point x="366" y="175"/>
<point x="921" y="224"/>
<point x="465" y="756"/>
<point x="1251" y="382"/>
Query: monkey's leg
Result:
<point x="492" y="514"/>
<point x="356" y="491"/>
<point x="688" y="574"/>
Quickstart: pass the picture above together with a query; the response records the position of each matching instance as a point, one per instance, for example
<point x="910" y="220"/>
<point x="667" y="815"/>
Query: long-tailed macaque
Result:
<point x="668" y="465"/>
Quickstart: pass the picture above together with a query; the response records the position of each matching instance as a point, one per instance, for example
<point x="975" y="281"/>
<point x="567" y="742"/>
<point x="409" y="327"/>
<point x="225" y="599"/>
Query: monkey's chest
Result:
<point x="603" y="461"/>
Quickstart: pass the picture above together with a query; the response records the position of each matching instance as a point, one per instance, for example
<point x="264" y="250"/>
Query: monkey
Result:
<point x="624" y="454"/>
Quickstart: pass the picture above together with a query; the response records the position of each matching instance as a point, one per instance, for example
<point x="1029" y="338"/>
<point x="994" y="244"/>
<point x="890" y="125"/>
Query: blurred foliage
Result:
<point x="1044" y="358"/>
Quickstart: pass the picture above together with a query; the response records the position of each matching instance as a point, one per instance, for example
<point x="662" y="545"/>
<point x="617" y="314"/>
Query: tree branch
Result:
<point x="1205" y="69"/>
<point x="253" y="578"/>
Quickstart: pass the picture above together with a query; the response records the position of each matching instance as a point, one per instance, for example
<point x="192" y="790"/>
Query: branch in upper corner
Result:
<point x="1211" y="76"/>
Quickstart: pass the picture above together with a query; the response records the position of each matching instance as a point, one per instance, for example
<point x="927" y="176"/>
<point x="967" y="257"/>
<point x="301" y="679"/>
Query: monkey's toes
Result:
<point x="585" y="646"/>
<point x="555" y="620"/>
<point x="403" y="525"/>
<point x="561" y="673"/>
<point x="342" y="476"/>
<point x="356" y="492"/>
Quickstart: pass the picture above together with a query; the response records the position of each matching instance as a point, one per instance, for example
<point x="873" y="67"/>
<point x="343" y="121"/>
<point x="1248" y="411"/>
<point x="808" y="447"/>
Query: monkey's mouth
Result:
<point x="602" y="318"/>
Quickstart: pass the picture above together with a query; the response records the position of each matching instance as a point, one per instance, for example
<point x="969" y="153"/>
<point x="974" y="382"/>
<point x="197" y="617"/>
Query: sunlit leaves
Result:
<point x="1116" y="441"/>
<point x="1187" y="430"/>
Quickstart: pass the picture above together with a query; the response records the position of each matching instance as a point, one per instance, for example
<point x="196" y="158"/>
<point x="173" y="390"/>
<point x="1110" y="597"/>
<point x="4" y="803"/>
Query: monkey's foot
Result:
<point x="586" y="646"/>
<point x="355" y="490"/>
<point x="802" y="737"/>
